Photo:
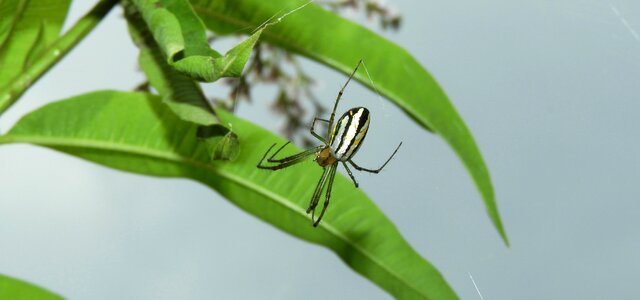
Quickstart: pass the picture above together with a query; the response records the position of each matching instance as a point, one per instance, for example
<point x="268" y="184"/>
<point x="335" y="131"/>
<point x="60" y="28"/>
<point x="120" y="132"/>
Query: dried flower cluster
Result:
<point x="389" y="17"/>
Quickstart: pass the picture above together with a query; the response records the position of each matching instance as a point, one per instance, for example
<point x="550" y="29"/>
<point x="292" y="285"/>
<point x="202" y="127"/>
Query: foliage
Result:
<point x="176" y="131"/>
<point x="148" y="138"/>
<point x="14" y="289"/>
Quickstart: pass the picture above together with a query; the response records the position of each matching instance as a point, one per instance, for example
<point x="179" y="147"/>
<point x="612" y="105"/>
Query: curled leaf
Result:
<point x="181" y="36"/>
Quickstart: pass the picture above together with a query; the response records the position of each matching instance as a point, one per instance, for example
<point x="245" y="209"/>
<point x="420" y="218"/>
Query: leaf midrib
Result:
<point x="142" y="151"/>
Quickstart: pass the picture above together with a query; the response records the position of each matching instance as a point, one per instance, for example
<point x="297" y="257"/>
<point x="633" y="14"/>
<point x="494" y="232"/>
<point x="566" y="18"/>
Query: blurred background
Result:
<point x="549" y="89"/>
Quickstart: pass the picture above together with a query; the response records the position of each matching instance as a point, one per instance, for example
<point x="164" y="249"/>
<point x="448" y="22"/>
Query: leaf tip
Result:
<point x="497" y="222"/>
<point x="505" y="238"/>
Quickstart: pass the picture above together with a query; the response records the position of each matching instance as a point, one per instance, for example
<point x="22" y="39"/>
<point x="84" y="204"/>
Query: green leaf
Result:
<point x="221" y="142"/>
<point x="27" y="28"/>
<point x="10" y="12"/>
<point x="31" y="51"/>
<point x="37" y="48"/>
<point x="148" y="138"/>
<point x="181" y="35"/>
<point x="178" y="91"/>
<point x="339" y="43"/>
<point x="183" y="96"/>
<point x="165" y="28"/>
<point x="14" y="289"/>
<point x="229" y="65"/>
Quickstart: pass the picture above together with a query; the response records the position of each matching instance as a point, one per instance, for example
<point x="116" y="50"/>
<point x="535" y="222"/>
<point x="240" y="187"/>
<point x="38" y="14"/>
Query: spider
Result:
<point x="343" y="141"/>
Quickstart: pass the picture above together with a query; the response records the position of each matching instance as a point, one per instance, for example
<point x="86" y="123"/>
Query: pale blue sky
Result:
<point x="550" y="90"/>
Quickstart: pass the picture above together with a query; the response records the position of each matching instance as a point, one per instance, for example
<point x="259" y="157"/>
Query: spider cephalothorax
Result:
<point x="325" y="158"/>
<point x="344" y="140"/>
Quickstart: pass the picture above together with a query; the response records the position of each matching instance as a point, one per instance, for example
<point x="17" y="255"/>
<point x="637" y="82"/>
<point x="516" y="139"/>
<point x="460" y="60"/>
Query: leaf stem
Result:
<point x="54" y="53"/>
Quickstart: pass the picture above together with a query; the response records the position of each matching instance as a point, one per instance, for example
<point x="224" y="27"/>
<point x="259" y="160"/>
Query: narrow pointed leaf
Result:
<point x="37" y="48"/>
<point x="148" y="138"/>
<point x="14" y="289"/>
<point x="33" y="45"/>
<point x="339" y="43"/>
<point x="10" y="12"/>
<point x="27" y="25"/>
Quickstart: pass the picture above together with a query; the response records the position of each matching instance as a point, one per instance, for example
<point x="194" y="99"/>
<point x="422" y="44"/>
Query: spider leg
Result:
<point x="265" y="155"/>
<point x="335" y="105"/>
<point x="270" y="159"/>
<point x="350" y="174"/>
<point x="328" y="195"/>
<point x="287" y="161"/>
<point x="284" y="164"/>
<point x="294" y="156"/>
<point x="313" y="132"/>
<point x="317" y="192"/>
<point x="376" y="171"/>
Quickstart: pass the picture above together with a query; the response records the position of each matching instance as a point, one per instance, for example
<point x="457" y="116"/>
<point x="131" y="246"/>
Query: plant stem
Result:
<point x="54" y="54"/>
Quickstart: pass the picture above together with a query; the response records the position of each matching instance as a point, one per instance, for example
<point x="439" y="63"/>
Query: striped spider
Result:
<point x="343" y="141"/>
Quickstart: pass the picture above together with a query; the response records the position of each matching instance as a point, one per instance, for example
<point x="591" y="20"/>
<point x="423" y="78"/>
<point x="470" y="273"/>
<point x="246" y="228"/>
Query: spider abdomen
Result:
<point x="349" y="132"/>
